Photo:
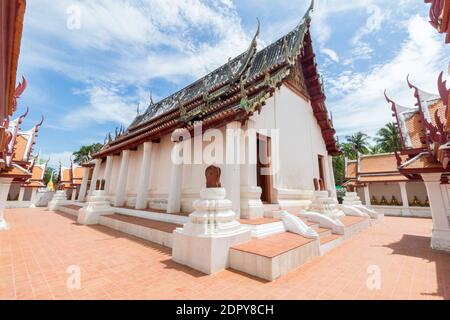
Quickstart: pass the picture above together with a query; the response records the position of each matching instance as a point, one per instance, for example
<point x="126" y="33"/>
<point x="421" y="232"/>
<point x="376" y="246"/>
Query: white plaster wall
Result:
<point x="387" y="190"/>
<point x="416" y="189"/>
<point x="300" y="137"/>
<point x="115" y="175"/>
<point x="134" y="169"/>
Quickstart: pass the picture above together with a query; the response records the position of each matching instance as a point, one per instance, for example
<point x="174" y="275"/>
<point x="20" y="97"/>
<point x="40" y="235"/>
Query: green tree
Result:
<point x="85" y="153"/>
<point x="388" y="138"/>
<point x="359" y="142"/>
<point x="50" y="173"/>
<point x="375" y="149"/>
<point x="348" y="150"/>
<point x="339" y="169"/>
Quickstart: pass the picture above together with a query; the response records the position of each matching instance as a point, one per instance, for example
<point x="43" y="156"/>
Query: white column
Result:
<point x="144" y="177"/>
<point x="74" y="194"/>
<point x="33" y="194"/>
<point x="367" y="195"/>
<point x="84" y="184"/>
<point x="108" y="172"/>
<point x="95" y="175"/>
<point x="21" y="194"/>
<point x="5" y="184"/>
<point x="176" y="181"/>
<point x="332" y="181"/>
<point x="404" y="194"/>
<point x="233" y="167"/>
<point x="440" y="239"/>
<point x="122" y="181"/>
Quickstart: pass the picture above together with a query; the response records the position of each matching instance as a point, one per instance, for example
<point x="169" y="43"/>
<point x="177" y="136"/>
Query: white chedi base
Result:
<point x="352" y="199"/>
<point x="204" y="242"/>
<point x="326" y="205"/>
<point x="251" y="204"/>
<point x="97" y="205"/>
<point x="59" y="199"/>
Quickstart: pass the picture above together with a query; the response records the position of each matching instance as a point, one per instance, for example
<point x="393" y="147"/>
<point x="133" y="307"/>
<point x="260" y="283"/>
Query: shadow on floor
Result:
<point x="172" y="265"/>
<point x="419" y="247"/>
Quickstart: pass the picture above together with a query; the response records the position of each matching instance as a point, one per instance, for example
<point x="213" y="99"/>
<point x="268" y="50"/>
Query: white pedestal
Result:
<point x="440" y="240"/>
<point x="97" y="205"/>
<point x="326" y="205"/>
<point x="352" y="199"/>
<point x="59" y="199"/>
<point x="251" y="204"/>
<point x="204" y="242"/>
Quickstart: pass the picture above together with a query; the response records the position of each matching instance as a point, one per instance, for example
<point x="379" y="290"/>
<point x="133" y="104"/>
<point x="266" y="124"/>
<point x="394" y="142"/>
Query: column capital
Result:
<point x="431" y="177"/>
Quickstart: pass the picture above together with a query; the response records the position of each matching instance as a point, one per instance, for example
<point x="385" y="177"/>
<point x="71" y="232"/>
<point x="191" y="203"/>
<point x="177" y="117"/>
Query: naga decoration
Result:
<point x="445" y="95"/>
<point x="251" y="51"/>
<point x="435" y="12"/>
<point x="18" y="93"/>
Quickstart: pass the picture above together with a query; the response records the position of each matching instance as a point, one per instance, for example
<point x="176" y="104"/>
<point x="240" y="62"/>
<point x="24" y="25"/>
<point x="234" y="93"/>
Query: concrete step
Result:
<point x="151" y="230"/>
<point x="354" y="225"/>
<point x="330" y="242"/>
<point x="274" y="256"/>
<point x="323" y="232"/>
<point x="70" y="209"/>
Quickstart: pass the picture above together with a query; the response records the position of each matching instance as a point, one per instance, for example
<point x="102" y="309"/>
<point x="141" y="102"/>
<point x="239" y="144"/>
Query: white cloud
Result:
<point x="122" y="46"/>
<point x="331" y="54"/>
<point x="360" y="102"/>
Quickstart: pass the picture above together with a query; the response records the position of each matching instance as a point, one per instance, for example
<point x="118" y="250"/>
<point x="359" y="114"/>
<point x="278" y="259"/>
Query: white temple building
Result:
<point x="260" y="123"/>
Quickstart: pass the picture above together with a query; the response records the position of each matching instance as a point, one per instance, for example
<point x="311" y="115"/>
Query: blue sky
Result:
<point x="88" y="78"/>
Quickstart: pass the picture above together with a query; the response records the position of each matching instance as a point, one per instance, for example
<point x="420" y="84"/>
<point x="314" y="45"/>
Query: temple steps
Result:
<point x="151" y="230"/>
<point x="272" y="257"/>
<point x="70" y="209"/>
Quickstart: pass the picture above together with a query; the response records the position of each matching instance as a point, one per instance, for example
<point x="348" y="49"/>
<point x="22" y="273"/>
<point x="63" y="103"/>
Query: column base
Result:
<point x="207" y="254"/>
<point x="97" y="205"/>
<point x="251" y="204"/>
<point x="440" y="240"/>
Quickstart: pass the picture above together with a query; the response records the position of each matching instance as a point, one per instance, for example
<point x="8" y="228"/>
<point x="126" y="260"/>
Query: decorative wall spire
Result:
<point x="18" y="93"/>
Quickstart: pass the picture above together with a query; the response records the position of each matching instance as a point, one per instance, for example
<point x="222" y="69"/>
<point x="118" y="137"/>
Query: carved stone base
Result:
<point x="204" y="242"/>
<point x="440" y="240"/>
<point x="97" y="205"/>
<point x="251" y="204"/>
<point x="59" y="199"/>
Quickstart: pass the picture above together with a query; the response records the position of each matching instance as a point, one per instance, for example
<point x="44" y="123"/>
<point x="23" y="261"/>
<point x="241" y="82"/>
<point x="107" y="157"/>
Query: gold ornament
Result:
<point x="427" y="203"/>
<point x="394" y="202"/>
<point x="383" y="201"/>
<point x="374" y="201"/>
<point x="416" y="202"/>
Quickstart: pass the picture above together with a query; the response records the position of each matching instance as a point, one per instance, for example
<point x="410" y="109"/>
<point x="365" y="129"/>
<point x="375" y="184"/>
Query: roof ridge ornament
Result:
<point x="445" y="94"/>
<point x="307" y="15"/>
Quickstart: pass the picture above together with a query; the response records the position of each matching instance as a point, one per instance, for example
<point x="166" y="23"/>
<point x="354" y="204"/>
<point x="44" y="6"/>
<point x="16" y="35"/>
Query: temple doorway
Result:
<point x="264" y="177"/>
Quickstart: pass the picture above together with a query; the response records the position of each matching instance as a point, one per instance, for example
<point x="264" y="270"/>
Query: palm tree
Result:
<point x="388" y="138"/>
<point x="359" y="142"/>
<point x="348" y="150"/>
<point x="376" y="149"/>
<point x="85" y="153"/>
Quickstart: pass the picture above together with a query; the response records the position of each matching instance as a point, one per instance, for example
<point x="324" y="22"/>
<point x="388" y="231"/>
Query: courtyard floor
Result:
<point x="41" y="246"/>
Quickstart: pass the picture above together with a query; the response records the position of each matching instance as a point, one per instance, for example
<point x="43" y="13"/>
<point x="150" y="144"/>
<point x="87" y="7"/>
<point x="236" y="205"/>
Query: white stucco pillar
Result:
<point x="74" y="195"/>
<point x="250" y="197"/>
<point x="332" y="181"/>
<point x="33" y="194"/>
<point x="176" y="182"/>
<point x="232" y="179"/>
<point x="144" y="177"/>
<point x="95" y="175"/>
<point x="21" y="194"/>
<point x="5" y="184"/>
<point x="367" y="195"/>
<point x="404" y="194"/>
<point x="122" y="181"/>
<point x="108" y="172"/>
<point x="84" y="184"/>
<point x="440" y="239"/>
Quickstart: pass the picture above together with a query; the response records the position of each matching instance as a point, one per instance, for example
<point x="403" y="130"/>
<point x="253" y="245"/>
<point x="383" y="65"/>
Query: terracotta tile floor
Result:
<point x="36" y="253"/>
